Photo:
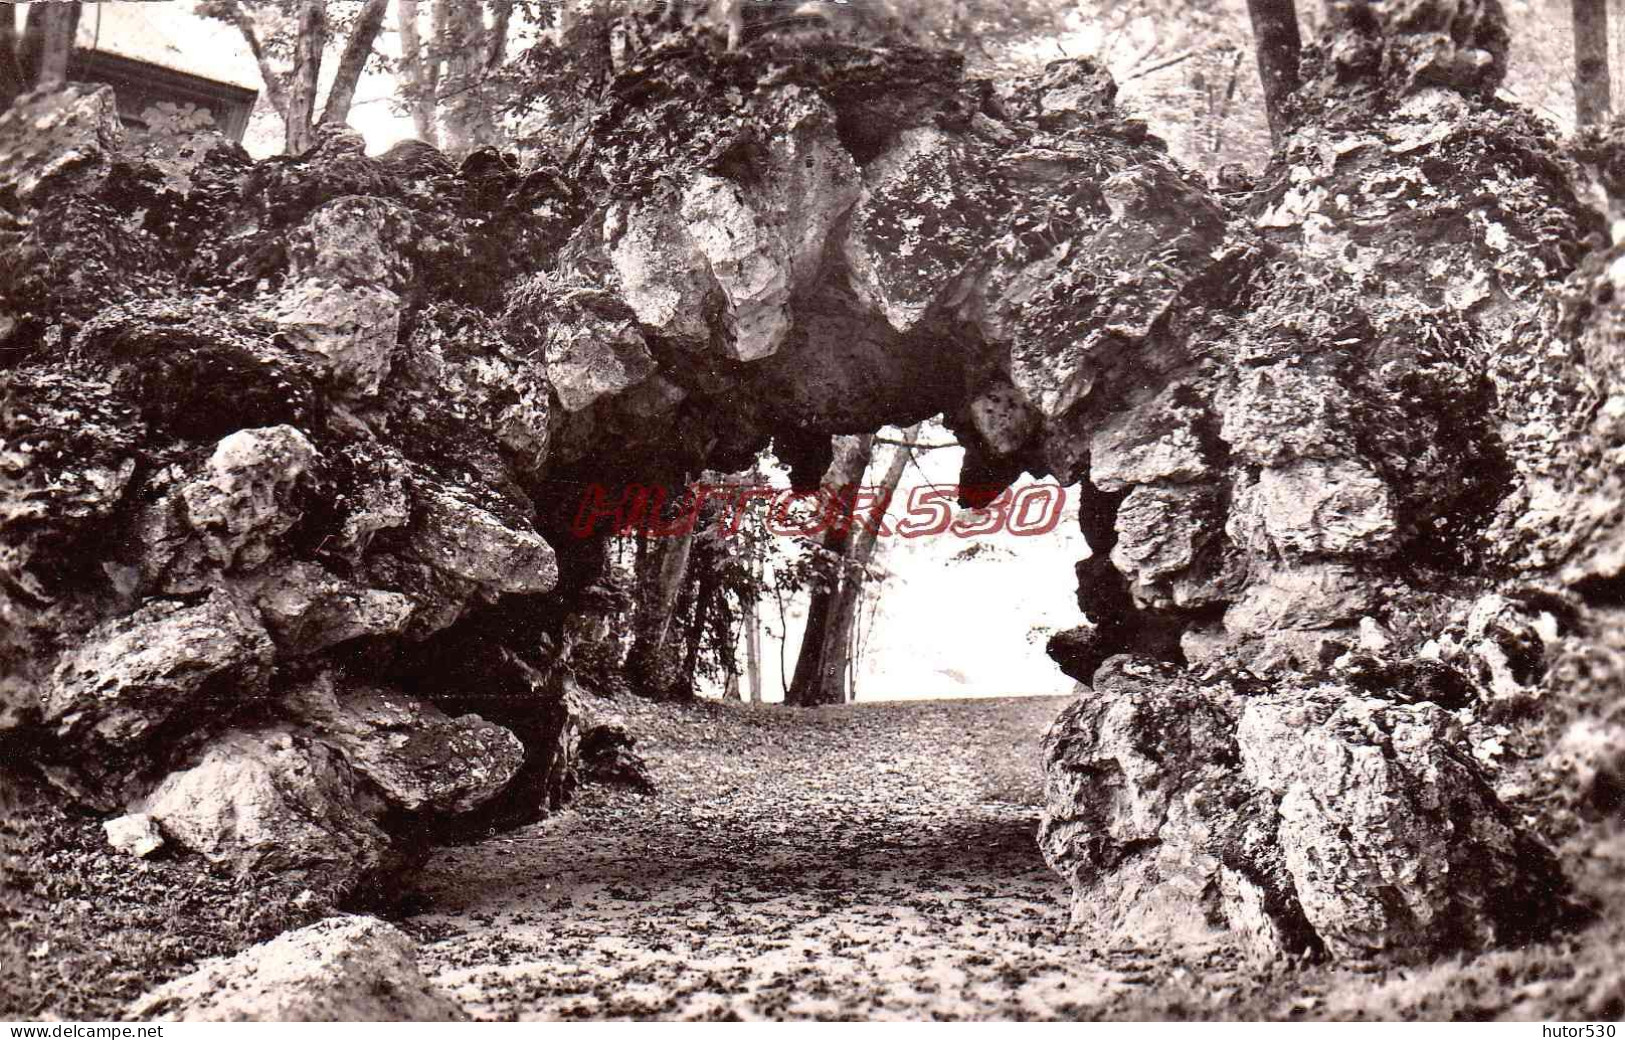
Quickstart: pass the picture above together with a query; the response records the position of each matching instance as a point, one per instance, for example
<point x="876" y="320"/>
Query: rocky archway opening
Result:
<point x="298" y="447"/>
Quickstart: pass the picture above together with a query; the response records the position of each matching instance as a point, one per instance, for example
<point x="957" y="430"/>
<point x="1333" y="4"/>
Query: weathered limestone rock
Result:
<point x="1270" y="653"/>
<point x="370" y="496"/>
<point x="1154" y="441"/>
<point x="1004" y="419"/>
<point x="135" y="834"/>
<point x="349" y="331"/>
<point x="924" y="215"/>
<point x="353" y="241"/>
<point x="342" y="969"/>
<point x="1067" y="96"/>
<point x="199" y="373"/>
<point x="592" y="343"/>
<point x="249" y="494"/>
<point x="133" y="674"/>
<point x="307" y="609"/>
<point x="1314" y="508"/>
<point x="468" y="674"/>
<point x="1144" y="810"/>
<point x="466" y="542"/>
<point x="1275" y="413"/>
<point x="1314" y="815"/>
<point x="67" y="458"/>
<point x="277" y="800"/>
<point x="408" y="748"/>
<point x="1161" y="530"/>
<point x="1395" y="844"/>
<point x="662" y="274"/>
<point x="458" y="371"/>
<point x="742" y="232"/>
<point x="1309" y="595"/>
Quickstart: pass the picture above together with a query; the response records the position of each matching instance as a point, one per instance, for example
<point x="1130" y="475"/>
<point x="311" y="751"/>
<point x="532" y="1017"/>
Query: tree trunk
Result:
<point x="838" y="637"/>
<point x="414" y="70"/>
<point x="821" y="662"/>
<point x="496" y="38"/>
<point x="13" y="81"/>
<point x="753" y="646"/>
<point x="704" y="594"/>
<point x="666" y="570"/>
<point x="357" y="49"/>
<point x="466" y="117"/>
<point x="1275" y="39"/>
<point x="307" y="68"/>
<point x="48" y="39"/>
<point x="1592" y="100"/>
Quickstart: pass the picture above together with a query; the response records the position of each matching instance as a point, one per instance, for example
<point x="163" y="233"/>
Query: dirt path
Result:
<point x="870" y="861"/>
<point x="877" y="862"/>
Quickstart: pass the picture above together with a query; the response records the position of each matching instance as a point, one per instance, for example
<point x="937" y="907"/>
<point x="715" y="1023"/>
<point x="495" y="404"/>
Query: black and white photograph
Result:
<point x="826" y="511"/>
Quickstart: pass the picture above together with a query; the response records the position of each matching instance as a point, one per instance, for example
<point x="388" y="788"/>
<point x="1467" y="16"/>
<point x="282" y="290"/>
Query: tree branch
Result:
<point x="274" y="89"/>
<point x="915" y="445"/>
<point x="357" y="50"/>
<point x="1159" y="66"/>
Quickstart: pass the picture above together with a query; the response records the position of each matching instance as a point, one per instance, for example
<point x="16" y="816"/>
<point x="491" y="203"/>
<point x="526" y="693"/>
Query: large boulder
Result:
<point x="278" y="799"/>
<point x="1396" y="845"/>
<point x="165" y="663"/>
<point x="1315" y="815"/>
<point x="342" y="969"/>
<point x="249" y="494"/>
<point x="471" y="543"/>
<point x="417" y="757"/>
<point x="308" y="609"/>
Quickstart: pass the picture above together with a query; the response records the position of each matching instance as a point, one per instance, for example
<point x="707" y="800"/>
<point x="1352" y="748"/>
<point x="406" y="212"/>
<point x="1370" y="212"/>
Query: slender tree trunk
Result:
<point x="307" y="69"/>
<point x="819" y="664"/>
<point x="1276" y="42"/>
<point x="13" y="81"/>
<point x="49" y="39"/>
<point x="473" y="51"/>
<point x="838" y="639"/>
<point x="496" y="38"/>
<point x="420" y="95"/>
<point x="704" y="594"/>
<point x="565" y="17"/>
<point x="753" y="646"/>
<point x="667" y="569"/>
<point x="1592" y="96"/>
<point x="357" y="49"/>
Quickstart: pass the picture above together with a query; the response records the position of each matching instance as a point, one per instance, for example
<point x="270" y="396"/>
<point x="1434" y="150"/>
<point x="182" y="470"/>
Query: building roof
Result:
<point x="171" y="37"/>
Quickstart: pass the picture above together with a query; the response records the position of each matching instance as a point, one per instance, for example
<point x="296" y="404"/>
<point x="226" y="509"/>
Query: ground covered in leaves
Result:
<point x="878" y="861"/>
<point x="868" y="861"/>
<point x="85" y="929"/>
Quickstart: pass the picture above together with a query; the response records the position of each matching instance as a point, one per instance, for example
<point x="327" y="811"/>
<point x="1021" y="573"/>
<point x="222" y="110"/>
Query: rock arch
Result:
<point x="291" y="447"/>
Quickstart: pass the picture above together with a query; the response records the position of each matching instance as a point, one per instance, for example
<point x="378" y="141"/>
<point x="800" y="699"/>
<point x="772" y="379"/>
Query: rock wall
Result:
<point x="291" y="448"/>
